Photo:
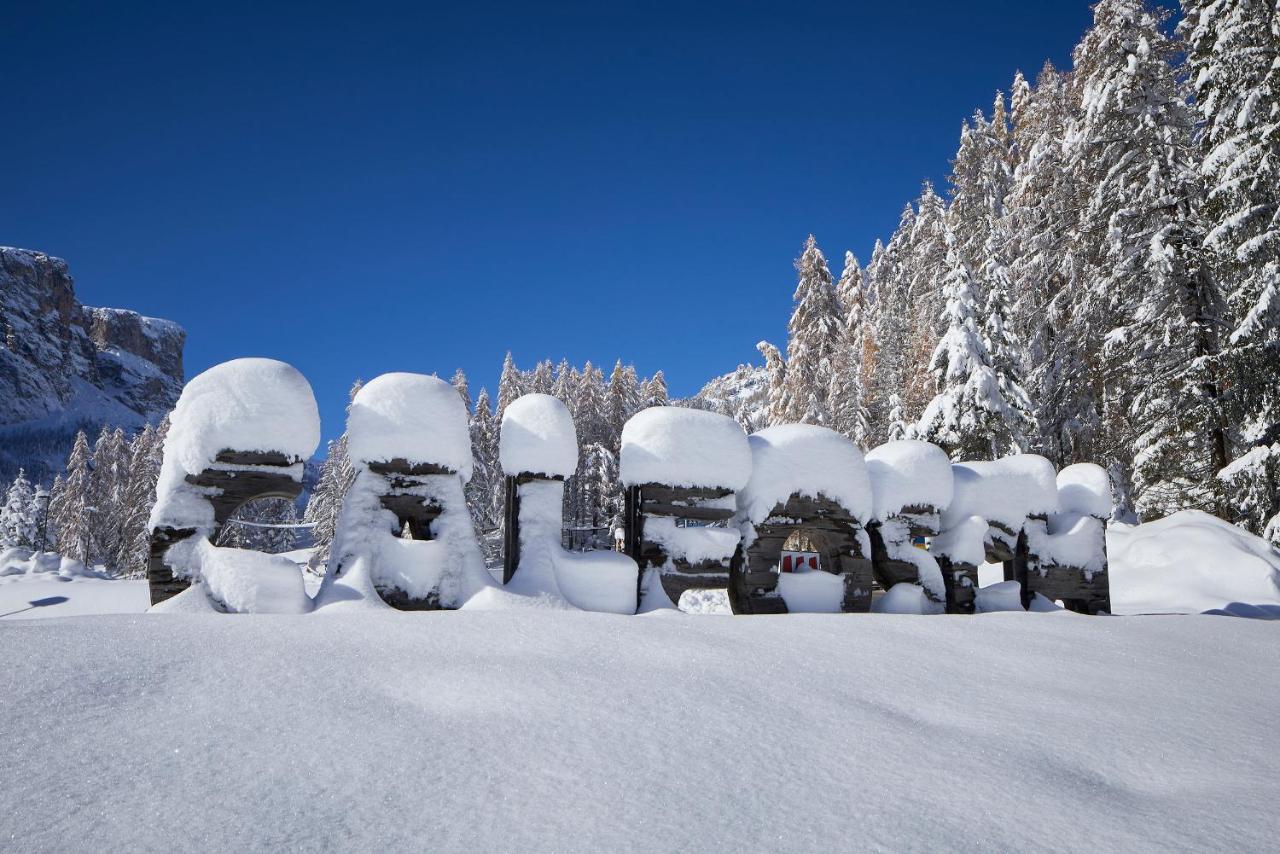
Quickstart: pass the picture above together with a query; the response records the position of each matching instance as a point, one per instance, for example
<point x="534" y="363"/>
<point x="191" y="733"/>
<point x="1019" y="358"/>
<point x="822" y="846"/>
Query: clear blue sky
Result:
<point x="364" y="188"/>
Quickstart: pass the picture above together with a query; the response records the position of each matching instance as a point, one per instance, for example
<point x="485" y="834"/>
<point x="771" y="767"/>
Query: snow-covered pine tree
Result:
<point x="70" y="510"/>
<point x="623" y="400"/>
<point x="145" y="455"/>
<point x="1042" y="220"/>
<point x="18" y="520"/>
<point x="459" y="382"/>
<point x="1233" y="62"/>
<point x="565" y="387"/>
<point x="325" y="502"/>
<point x="107" y="483"/>
<point x="776" y="369"/>
<point x="872" y="394"/>
<point x="655" y="391"/>
<point x="485" y="489"/>
<point x="510" y="384"/>
<point x="968" y="417"/>
<point x="812" y="337"/>
<point x="847" y="395"/>
<point x="923" y="267"/>
<point x="1160" y="390"/>
<point x="542" y="380"/>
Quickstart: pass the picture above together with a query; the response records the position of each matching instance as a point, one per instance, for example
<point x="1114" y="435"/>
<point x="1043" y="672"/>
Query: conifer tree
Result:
<point x="847" y="396"/>
<point x="510" y="384"/>
<point x="655" y="390"/>
<point x="325" y="502"/>
<point x="812" y="337"/>
<point x="541" y="381"/>
<point x="18" y="522"/>
<point x="459" y="382"/>
<point x="777" y="372"/>
<point x="70" y="510"/>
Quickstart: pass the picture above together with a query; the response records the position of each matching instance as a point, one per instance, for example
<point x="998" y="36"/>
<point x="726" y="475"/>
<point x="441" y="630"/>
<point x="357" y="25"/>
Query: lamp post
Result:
<point x="42" y="508"/>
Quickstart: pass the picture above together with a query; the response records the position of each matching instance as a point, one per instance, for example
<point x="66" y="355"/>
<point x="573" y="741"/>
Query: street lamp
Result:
<point x="42" y="509"/>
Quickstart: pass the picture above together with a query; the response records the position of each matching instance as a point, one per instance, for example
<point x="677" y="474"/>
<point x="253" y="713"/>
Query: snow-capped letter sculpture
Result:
<point x="802" y="516"/>
<point x="681" y="468"/>
<point x="538" y="449"/>
<point x="404" y="533"/>
<point x="240" y="431"/>
<point x="911" y="486"/>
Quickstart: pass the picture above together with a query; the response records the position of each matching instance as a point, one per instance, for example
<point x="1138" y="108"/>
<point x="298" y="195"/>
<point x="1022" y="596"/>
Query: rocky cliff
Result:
<point x="65" y="366"/>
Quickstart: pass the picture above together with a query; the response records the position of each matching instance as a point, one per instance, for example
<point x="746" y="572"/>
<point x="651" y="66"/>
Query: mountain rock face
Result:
<point x="65" y="366"/>
<point x="742" y="394"/>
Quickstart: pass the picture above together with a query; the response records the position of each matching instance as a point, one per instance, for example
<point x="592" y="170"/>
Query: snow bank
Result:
<point x="598" y="580"/>
<point x="812" y="592"/>
<point x="1188" y="563"/>
<point x="243" y="405"/>
<point x="908" y="473"/>
<point x="1004" y="491"/>
<point x="538" y="437"/>
<point x="1085" y="489"/>
<point x="676" y="446"/>
<point x="414" y="417"/>
<point x="807" y="460"/>
<point x="1153" y="729"/>
<point x="904" y="598"/>
<point x="243" y="581"/>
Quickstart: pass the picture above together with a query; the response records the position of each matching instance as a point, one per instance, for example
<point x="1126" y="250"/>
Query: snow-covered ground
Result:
<point x="560" y="731"/>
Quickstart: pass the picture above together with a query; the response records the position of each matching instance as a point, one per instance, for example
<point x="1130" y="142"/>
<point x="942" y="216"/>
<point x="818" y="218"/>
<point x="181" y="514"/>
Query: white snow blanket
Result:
<point x="414" y="417"/>
<point x="908" y="473"/>
<point x="1004" y="491"/>
<point x="676" y="446"/>
<point x="543" y="730"/>
<point x="1191" y="562"/>
<point x="242" y="405"/>
<point x="804" y="459"/>
<point x="538" y="437"/>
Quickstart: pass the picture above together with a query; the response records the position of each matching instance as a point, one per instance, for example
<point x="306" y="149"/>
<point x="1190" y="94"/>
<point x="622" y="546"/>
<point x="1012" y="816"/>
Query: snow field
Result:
<point x="551" y="731"/>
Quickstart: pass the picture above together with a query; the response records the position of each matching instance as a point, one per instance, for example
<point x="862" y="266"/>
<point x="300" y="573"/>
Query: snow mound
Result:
<point x="904" y="598"/>
<point x="598" y="580"/>
<point x="695" y="543"/>
<point x="1006" y="491"/>
<point x="244" y="581"/>
<point x="808" y="460"/>
<point x="1084" y="488"/>
<point x="1190" y="562"/>
<point x="538" y="437"/>
<point x="815" y="591"/>
<point x="414" y="417"/>
<point x="676" y="446"/>
<point x="243" y="405"/>
<point x="963" y="543"/>
<point x="908" y="473"/>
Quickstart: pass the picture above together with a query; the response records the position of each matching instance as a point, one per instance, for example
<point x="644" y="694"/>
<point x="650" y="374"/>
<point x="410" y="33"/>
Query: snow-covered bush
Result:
<point x="409" y="443"/>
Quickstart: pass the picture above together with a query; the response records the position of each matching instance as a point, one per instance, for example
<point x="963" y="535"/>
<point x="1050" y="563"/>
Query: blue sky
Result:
<point x="357" y="189"/>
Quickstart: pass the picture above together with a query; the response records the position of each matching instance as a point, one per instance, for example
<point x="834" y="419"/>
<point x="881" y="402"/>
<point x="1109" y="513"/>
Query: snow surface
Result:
<point x="414" y="417"/>
<point x="1005" y="490"/>
<point x="815" y="591"/>
<point x="1191" y="562"/>
<point x="908" y="473"/>
<point x="538" y="437"/>
<point x="808" y="460"/>
<point x="249" y="582"/>
<point x="42" y="584"/>
<point x="676" y="446"/>
<point x="539" y="730"/>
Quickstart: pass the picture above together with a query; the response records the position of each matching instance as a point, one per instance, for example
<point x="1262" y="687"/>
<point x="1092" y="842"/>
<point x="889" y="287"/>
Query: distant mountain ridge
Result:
<point x="65" y="366"/>
<point x="742" y="394"/>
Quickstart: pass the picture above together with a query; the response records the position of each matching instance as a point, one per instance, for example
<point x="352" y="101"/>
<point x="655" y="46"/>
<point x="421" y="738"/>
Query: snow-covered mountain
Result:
<point x="742" y="394"/>
<point x="66" y="366"/>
